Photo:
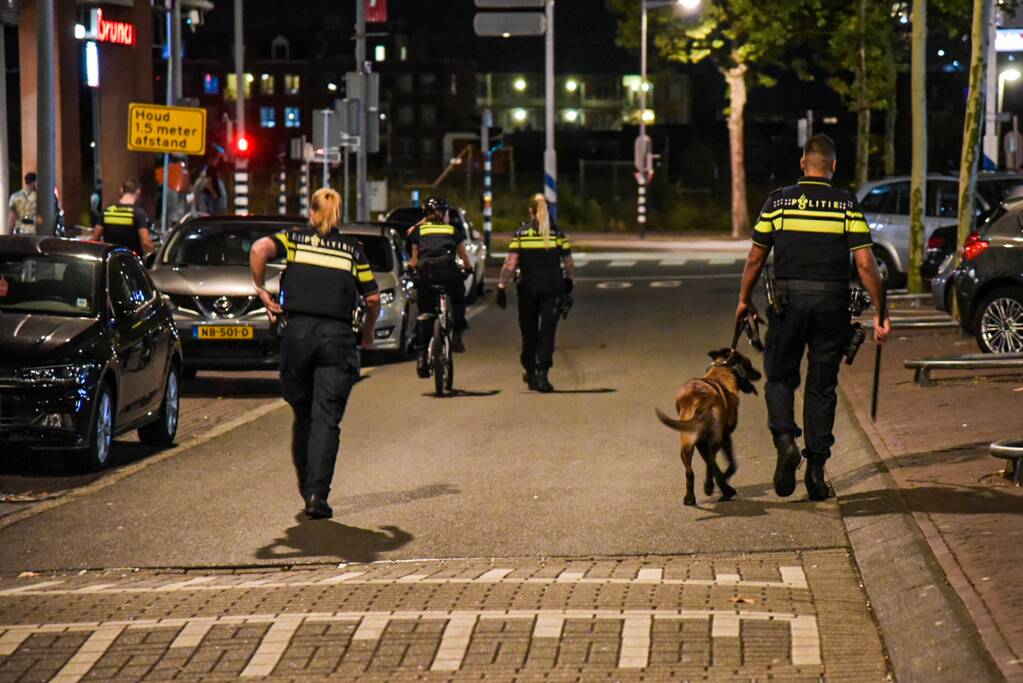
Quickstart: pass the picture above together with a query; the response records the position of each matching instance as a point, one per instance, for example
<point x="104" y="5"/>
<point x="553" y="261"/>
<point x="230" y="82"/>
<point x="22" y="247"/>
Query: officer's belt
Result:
<point x="826" y="286"/>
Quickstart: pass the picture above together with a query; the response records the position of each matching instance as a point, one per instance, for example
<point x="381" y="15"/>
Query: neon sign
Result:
<point x="108" y="31"/>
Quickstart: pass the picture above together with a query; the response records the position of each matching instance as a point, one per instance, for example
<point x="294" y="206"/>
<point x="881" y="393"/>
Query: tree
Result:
<point x="918" y="173"/>
<point x="741" y="37"/>
<point x="974" y="117"/>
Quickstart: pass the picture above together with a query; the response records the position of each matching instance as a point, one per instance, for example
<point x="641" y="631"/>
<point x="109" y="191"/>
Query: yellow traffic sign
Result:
<point x="175" y="130"/>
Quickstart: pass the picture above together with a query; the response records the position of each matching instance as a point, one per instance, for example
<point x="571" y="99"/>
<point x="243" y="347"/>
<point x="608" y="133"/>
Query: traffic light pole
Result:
<point x="241" y="171"/>
<point x="550" y="157"/>
<point x="361" y="167"/>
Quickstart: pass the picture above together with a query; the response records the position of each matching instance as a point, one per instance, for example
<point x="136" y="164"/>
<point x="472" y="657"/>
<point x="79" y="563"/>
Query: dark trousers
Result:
<point x="448" y="275"/>
<point x="818" y="322"/>
<point x="538" y="320"/>
<point x="319" y="367"/>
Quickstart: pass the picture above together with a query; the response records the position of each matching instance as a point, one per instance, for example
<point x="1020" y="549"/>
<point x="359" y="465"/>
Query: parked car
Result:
<point x="88" y="349"/>
<point x="885" y="204"/>
<point x="405" y="217"/>
<point x="203" y="271"/>
<point x="989" y="281"/>
<point x="938" y="247"/>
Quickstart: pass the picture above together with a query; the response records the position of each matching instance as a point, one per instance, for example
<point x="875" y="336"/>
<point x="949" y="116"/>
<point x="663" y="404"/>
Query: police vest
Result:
<point x="437" y="240"/>
<point x="324" y="275"/>
<point x="812" y="227"/>
<point x="536" y="255"/>
<point x="121" y="224"/>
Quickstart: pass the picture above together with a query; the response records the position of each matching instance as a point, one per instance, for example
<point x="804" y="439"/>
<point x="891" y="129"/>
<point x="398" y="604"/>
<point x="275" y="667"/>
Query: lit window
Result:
<point x="292" y="117"/>
<point x="267" y="117"/>
<point x="292" y="84"/>
<point x="231" y="92"/>
<point x="211" y="84"/>
<point x="266" y="84"/>
<point x="380" y="53"/>
<point x="403" y="53"/>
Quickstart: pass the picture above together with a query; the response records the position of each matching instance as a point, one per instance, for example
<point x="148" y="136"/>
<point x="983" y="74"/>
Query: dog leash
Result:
<point x="751" y="326"/>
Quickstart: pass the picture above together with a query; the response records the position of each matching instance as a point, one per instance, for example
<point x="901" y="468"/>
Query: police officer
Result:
<point x="326" y="272"/>
<point x="812" y="227"/>
<point x="125" y="222"/>
<point x="538" y="250"/>
<point x="434" y="245"/>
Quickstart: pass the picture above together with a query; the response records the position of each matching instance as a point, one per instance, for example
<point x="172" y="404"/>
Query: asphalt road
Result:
<point x="495" y="471"/>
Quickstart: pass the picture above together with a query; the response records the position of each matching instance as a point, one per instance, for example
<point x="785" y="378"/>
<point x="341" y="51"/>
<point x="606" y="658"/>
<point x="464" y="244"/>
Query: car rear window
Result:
<point x="53" y="285"/>
<point x="217" y="244"/>
<point x="887" y="198"/>
<point x="405" y="216"/>
<point x="1003" y="222"/>
<point x="378" y="252"/>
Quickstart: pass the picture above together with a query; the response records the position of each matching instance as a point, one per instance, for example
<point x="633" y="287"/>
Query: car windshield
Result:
<point x="216" y="244"/>
<point x="52" y="285"/>
<point x="378" y="252"/>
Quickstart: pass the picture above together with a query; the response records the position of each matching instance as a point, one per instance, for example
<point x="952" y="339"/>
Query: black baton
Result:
<point x="881" y="315"/>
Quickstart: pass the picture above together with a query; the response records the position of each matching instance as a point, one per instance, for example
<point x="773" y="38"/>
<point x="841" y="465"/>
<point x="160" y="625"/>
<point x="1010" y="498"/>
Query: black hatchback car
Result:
<point x="989" y="281"/>
<point x="88" y="349"/>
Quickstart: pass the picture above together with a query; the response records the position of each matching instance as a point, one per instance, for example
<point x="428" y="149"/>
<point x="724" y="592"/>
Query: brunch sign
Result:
<point x="109" y="31"/>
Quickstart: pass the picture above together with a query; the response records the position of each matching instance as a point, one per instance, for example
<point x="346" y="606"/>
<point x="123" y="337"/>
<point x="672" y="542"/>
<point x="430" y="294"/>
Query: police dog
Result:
<point x="708" y="412"/>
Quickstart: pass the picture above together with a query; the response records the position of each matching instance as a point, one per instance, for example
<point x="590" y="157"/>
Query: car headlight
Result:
<point x="387" y="297"/>
<point x="72" y="373"/>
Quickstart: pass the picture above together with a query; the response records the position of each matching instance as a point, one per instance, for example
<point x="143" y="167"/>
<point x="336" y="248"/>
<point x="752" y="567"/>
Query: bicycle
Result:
<point x="441" y="357"/>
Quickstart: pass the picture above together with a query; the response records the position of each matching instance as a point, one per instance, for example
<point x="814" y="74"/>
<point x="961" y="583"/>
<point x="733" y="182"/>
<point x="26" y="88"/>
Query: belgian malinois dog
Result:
<point x="708" y="412"/>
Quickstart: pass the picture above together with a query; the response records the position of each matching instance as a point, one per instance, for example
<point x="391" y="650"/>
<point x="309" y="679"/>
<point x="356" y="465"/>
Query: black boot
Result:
<point x="423" y="363"/>
<point x="527" y="377"/>
<point x="541" y="383"/>
<point x="816" y="484"/>
<point x="316" y="507"/>
<point x="789" y="458"/>
<point x="457" y="345"/>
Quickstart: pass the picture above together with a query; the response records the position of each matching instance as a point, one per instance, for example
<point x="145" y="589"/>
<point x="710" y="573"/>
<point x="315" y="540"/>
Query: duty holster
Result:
<point x="774" y="298"/>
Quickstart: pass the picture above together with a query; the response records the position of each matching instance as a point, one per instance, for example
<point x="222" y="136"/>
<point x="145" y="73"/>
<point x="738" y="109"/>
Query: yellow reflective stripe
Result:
<point x="336" y="261"/>
<point x="768" y="215"/>
<point x="806" y="213"/>
<point x="862" y="246"/>
<point x="325" y="251"/>
<point x="565" y="245"/>
<point x="118" y="220"/>
<point x="362" y="266"/>
<point x="763" y="226"/>
<point x="858" y="226"/>
<point x="436" y="230"/>
<point x="365" y="276"/>
<point x="813" y="182"/>
<point x="807" y="225"/>
<point x="538" y="245"/>
<point x="514" y="244"/>
<point x="283" y="237"/>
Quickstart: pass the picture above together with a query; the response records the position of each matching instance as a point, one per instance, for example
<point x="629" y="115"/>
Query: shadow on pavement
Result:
<point x="600" y="390"/>
<point x="38" y="475"/>
<point x="951" y="500"/>
<point x="464" y="393"/>
<point x="326" y="538"/>
<point x="350" y="505"/>
<point x="215" y="386"/>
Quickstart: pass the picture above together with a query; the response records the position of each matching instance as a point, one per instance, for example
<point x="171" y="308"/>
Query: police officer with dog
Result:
<point x="326" y="273"/>
<point x="812" y="227"/>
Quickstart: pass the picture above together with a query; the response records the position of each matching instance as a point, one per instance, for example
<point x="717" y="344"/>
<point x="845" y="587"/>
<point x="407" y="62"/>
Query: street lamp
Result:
<point x="1007" y="75"/>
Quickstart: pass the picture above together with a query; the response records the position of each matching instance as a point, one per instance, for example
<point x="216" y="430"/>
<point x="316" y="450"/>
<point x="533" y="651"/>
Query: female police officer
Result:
<point x="326" y="273"/>
<point x="538" y="250"/>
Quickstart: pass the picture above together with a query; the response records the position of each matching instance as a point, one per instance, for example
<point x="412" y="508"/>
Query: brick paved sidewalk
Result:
<point x="935" y="442"/>
<point x="778" y="616"/>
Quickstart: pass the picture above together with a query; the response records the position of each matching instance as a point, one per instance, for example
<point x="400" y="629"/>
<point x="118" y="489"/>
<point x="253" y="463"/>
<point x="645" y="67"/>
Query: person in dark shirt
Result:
<point x="326" y="274"/>
<point x="538" y="251"/>
<point x="812" y="227"/>
<point x="125" y="222"/>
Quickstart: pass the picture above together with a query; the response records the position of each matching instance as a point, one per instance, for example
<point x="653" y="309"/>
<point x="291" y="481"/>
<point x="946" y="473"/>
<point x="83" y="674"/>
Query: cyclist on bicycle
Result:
<point x="434" y="246"/>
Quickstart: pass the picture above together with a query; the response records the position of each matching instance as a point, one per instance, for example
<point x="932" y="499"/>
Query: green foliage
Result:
<point x="840" y="44"/>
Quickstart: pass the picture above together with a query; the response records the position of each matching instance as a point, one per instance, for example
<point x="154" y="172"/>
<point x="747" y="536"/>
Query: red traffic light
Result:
<point x="242" y="146"/>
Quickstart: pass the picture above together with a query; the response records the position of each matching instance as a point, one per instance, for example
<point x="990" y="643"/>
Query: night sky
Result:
<point x="440" y="29"/>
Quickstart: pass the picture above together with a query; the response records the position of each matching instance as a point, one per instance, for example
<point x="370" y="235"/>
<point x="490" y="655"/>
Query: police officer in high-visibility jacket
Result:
<point x="539" y="251"/>
<point x="812" y="227"/>
<point x="326" y="273"/>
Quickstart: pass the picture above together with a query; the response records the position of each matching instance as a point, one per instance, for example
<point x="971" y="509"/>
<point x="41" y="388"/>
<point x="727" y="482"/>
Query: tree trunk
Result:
<point x="862" y="104"/>
<point x="918" y="175"/>
<point x="891" y="116"/>
<point x="735" y="78"/>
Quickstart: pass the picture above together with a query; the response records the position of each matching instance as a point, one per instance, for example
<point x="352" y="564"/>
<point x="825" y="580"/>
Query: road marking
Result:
<point x="88" y="654"/>
<point x="272" y="648"/>
<point x="634" y="650"/>
<point x="646" y="278"/>
<point x="674" y="262"/>
<point x="614" y="285"/>
<point x="666" y="284"/>
<point x="621" y="264"/>
<point x="792" y="578"/>
<point x="722" y="261"/>
<point x="454" y="643"/>
<point x="28" y="588"/>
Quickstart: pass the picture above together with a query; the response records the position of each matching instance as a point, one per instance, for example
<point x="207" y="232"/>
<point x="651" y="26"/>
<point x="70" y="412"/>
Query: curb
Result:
<point x="923" y="603"/>
<point x="124" y="472"/>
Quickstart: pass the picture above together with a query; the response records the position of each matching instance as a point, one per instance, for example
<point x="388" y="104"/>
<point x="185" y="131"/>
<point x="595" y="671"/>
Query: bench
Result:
<point x="972" y="361"/>
<point x="1010" y="450"/>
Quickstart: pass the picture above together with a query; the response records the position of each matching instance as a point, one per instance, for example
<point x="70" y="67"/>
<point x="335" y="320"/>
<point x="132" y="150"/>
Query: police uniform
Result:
<point x="438" y="244"/>
<point x="540" y="284"/>
<point x="121" y="225"/>
<point x="319" y="351"/>
<point x="812" y="228"/>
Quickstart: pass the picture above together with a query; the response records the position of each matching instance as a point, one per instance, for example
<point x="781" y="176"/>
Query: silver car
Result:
<point x="203" y="271"/>
<point x="885" y="204"/>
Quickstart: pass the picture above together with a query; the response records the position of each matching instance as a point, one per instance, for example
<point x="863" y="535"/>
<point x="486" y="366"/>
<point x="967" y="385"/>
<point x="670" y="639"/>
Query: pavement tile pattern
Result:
<point x="778" y="616"/>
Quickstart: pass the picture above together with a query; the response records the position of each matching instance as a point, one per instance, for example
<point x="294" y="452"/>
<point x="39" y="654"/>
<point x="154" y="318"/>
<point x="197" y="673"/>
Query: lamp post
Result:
<point x="643" y="147"/>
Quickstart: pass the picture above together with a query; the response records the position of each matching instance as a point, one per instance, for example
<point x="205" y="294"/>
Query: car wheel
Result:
<point x="97" y="456"/>
<point x="162" y="431"/>
<point x="999" y="322"/>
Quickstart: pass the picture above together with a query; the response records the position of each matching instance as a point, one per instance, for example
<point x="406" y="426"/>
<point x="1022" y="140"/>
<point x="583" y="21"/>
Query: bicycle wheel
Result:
<point x="438" y="353"/>
<point x="450" y="352"/>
